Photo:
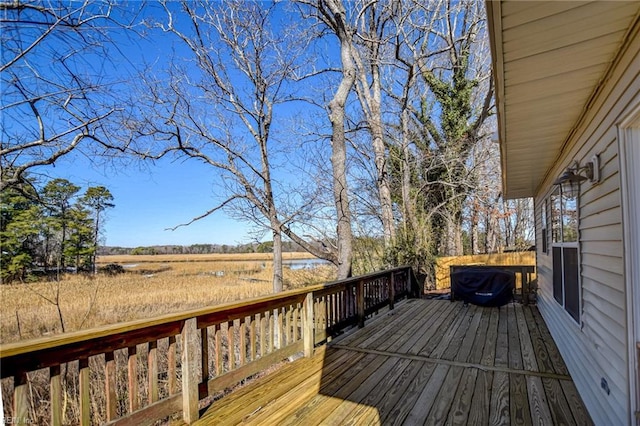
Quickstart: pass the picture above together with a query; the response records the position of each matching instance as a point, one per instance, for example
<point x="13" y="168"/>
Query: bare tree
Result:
<point x="56" y="95"/>
<point x="221" y="112"/>
<point x="442" y="53"/>
<point x="372" y="35"/>
<point x="333" y="15"/>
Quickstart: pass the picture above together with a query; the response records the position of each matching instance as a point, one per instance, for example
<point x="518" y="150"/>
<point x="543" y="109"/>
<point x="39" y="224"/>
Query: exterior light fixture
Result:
<point x="577" y="173"/>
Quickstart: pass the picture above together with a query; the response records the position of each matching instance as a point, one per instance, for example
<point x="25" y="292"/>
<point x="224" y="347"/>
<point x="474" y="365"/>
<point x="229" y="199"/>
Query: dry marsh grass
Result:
<point x="157" y="286"/>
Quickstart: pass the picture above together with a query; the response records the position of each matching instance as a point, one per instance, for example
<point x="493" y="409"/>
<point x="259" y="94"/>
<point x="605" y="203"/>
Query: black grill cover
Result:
<point x="483" y="286"/>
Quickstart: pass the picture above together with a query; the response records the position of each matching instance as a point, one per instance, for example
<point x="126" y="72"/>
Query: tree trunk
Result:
<point x="277" y="281"/>
<point x="340" y="191"/>
<point x="370" y="95"/>
<point x="452" y="238"/>
<point x="96" y="235"/>
<point x="384" y="192"/>
<point x="277" y="262"/>
<point x="474" y="232"/>
<point x="338" y="139"/>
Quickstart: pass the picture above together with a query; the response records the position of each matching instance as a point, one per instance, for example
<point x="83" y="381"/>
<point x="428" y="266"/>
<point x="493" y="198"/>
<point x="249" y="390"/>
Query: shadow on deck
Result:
<point x="425" y="362"/>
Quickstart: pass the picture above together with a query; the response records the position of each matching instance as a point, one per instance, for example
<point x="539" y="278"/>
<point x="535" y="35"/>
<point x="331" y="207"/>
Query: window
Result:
<point x="564" y="236"/>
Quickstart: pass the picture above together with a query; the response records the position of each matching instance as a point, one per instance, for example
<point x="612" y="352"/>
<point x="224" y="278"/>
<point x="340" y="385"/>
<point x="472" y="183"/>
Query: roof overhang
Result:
<point x="549" y="60"/>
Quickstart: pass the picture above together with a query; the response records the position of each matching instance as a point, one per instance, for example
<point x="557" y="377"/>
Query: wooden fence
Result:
<point x="143" y="371"/>
<point x="443" y="264"/>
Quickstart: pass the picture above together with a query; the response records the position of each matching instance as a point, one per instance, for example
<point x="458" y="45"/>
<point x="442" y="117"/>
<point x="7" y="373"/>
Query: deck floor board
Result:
<point x="426" y="362"/>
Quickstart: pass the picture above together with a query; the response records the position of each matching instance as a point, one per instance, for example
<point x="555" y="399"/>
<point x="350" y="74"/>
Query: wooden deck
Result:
<point x="426" y="362"/>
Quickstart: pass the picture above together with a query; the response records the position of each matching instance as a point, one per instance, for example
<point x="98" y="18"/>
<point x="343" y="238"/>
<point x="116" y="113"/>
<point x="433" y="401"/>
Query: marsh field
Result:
<point x="149" y="286"/>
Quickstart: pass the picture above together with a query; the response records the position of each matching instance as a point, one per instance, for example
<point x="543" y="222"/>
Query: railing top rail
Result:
<point x="168" y="322"/>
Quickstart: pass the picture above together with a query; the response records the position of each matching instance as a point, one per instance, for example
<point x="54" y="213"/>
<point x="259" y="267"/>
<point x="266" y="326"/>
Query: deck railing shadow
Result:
<point x="144" y="371"/>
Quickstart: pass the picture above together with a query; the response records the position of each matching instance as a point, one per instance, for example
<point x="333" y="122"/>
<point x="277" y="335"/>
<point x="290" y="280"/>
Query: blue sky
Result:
<point x="149" y="198"/>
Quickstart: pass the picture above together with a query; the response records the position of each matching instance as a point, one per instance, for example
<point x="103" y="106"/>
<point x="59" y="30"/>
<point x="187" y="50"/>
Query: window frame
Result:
<point x="565" y="253"/>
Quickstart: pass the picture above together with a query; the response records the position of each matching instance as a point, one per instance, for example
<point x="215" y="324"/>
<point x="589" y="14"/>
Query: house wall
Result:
<point x="597" y="348"/>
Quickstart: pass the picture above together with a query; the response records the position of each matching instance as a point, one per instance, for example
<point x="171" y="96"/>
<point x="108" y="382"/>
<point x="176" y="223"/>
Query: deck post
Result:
<point x="360" y="302"/>
<point x="189" y="371"/>
<point x="307" y="325"/>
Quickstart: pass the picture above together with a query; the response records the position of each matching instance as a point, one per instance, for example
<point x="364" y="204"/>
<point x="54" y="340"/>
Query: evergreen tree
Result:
<point x="79" y="247"/>
<point x="49" y="226"/>
<point x="57" y="195"/>
<point x="98" y="199"/>
<point x="19" y="233"/>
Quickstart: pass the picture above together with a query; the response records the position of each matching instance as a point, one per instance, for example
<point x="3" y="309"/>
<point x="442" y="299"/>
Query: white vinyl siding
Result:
<point x="597" y="348"/>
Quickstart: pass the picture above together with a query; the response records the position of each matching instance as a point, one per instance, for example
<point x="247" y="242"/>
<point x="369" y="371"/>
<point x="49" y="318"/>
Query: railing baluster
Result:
<point x="243" y="342"/>
<point x="152" y="363"/>
<point x="308" y="332"/>
<point x="132" y="367"/>
<point x="296" y="319"/>
<point x="270" y="340"/>
<point x="55" y="388"/>
<point x="287" y="326"/>
<point x="331" y="310"/>
<point x="232" y="347"/>
<point x="360" y="302"/>
<point x="204" y="359"/>
<point x="263" y="334"/>
<point x="218" y="345"/>
<point x="280" y="329"/>
<point x="110" y="385"/>
<point x="172" y="373"/>
<point x="324" y="314"/>
<point x="392" y="290"/>
<point x="21" y="400"/>
<point x="85" y="395"/>
<point x="252" y="336"/>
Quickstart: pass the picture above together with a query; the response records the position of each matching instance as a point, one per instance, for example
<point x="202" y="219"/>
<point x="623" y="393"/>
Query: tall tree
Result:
<point x="444" y="103"/>
<point x="48" y="225"/>
<point x="79" y="247"/>
<point x="222" y="114"/>
<point x="19" y="217"/>
<point x="97" y="199"/>
<point x="454" y="111"/>
<point x="333" y="15"/>
<point x="57" y="196"/>
<point x="372" y="35"/>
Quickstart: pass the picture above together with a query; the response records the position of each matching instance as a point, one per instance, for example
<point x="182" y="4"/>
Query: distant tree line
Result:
<point x="51" y="228"/>
<point x="254" y="247"/>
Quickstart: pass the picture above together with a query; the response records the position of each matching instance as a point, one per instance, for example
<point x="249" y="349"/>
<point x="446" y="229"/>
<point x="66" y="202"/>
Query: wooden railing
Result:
<point x="143" y="371"/>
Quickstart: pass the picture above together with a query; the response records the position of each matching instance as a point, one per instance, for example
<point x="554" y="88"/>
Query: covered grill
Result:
<point x="482" y="285"/>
